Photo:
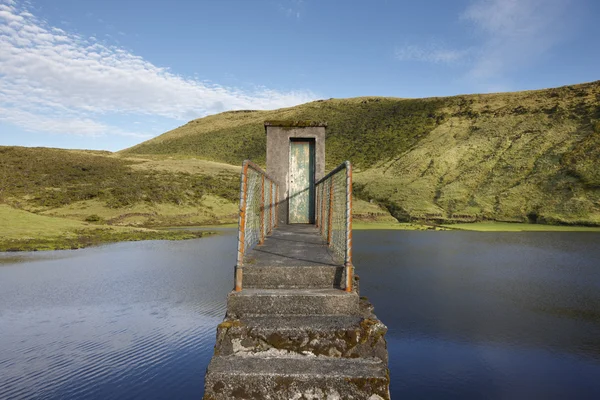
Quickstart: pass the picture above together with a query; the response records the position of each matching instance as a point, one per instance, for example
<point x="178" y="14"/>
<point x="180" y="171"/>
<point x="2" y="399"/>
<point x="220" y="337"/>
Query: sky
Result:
<point x="108" y="74"/>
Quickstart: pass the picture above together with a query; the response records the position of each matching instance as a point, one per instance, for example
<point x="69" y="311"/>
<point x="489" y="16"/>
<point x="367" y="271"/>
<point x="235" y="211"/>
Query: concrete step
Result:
<point x="235" y="377"/>
<point x="282" y="277"/>
<point x="291" y="302"/>
<point x="343" y="336"/>
<point x="293" y="323"/>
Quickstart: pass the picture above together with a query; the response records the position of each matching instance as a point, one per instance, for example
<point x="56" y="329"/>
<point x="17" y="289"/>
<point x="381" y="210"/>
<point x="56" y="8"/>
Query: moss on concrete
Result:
<point x="294" y="123"/>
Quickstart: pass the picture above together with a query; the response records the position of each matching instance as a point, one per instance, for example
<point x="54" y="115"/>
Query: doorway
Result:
<point x="302" y="181"/>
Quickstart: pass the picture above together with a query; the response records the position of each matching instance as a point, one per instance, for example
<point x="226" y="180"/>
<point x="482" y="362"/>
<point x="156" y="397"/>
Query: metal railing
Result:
<point x="258" y="212"/>
<point x="333" y="214"/>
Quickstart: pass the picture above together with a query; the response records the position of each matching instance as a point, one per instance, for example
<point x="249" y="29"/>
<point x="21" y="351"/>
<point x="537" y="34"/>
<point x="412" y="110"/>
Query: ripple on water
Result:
<point x="89" y="360"/>
<point x="469" y="316"/>
<point x="133" y="320"/>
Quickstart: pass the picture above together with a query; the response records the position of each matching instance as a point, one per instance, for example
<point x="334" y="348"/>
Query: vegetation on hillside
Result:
<point x="512" y="227"/>
<point x="515" y="157"/>
<point x="22" y="231"/>
<point x="48" y="178"/>
<point x="364" y="130"/>
<point x="529" y="156"/>
<point x="56" y="199"/>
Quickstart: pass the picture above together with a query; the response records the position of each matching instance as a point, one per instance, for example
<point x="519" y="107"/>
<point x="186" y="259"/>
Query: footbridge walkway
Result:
<point x="296" y="327"/>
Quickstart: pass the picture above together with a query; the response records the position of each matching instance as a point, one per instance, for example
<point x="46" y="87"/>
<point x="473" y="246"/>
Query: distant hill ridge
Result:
<point x="524" y="156"/>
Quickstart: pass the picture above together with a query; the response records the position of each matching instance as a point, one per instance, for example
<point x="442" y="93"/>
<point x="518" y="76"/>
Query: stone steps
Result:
<point x="291" y="302"/>
<point x="342" y="336"/>
<point x="281" y="277"/>
<point x="317" y="323"/>
<point x="295" y="377"/>
<point x="292" y="332"/>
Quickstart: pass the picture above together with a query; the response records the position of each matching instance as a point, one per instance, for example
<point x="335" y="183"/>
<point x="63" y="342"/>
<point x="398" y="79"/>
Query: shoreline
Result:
<point x="93" y="237"/>
<point x="106" y="234"/>
<point x="491" y="226"/>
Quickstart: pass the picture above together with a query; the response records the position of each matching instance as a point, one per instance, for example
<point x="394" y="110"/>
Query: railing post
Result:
<point x="330" y="214"/>
<point x="348" y="261"/>
<point x="242" y="227"/>
<point x="276" y="205"/>
<point x="270" y="206"/>
<point x="262" y="211"/>
<point x="317" y="217"/>
<point x="322" y="207"/>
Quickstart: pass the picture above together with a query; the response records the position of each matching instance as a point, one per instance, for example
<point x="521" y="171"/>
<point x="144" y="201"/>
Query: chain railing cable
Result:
<point x="334" y="214"/>
<point x="258" y="209"/>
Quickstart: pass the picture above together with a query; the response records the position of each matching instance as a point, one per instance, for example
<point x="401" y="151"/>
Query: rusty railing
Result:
<point x="333" y="214"/>
<point x="258" y="212"/>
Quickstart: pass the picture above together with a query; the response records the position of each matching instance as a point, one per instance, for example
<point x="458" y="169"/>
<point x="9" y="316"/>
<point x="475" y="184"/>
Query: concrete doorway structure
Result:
<point x="296" y="326"/>
<point x="296" y="160"/>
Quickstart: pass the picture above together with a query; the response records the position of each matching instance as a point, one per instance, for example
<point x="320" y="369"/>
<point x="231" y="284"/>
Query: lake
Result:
<point x="470" y="315"/>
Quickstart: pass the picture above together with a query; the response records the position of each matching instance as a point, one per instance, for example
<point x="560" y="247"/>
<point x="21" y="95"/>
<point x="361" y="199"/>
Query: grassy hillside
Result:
<point x="365" y="130"/>
<point x="47" y="178"/>
<point x="53" y="198"/>
<point x="528" y="156"/>
<point x="518" y="157"/>
<point x="21" y="230"/>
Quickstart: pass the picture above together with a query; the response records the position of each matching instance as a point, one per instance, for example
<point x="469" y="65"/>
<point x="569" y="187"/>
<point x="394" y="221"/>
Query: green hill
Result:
<point x="518" y="157"/>
<point x="529" y="156"/>
<point x="61" y="199"/>
<point x="103" y="188"/>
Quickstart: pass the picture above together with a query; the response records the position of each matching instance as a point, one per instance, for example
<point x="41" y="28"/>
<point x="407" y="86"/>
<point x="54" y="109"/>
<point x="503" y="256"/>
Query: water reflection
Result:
<point x="130" y="320"/>
<point x="492" y="314"/>
<point x="470" y="315"/>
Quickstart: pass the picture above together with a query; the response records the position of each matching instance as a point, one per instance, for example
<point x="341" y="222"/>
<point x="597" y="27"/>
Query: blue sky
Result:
<point x="107" y="74"/>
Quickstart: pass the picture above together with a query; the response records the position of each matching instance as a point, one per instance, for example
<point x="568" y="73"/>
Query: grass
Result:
<point x="24" y="231"/>
<point x="209" y="210"/>
<point x="404" y="226"/>
<point x="18" y="224"/>
<point x="530" y="156"/>
<point x="44" y="178"/>
<point x="104" y="188"/>
<point x="176" y="163"/>
<point x="200" y="227"/>
<point x="64" y="199"/>
<point x="385" y="125"/>
<point x="368" y="212"/>
<point x="519" y="227"/>
<point x="527" y="157"/>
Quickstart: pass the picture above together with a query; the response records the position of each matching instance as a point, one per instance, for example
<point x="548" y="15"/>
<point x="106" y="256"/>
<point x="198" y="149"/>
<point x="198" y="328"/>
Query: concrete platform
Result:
<point x="292" y="302"/>
<point x="344" y="336"/>
<point x="306" y="277"/>
<point x="293" y="257"/>
<point x="295" y="245"/>
<point x="316" y="323"/>
<point x="234" y="377"/>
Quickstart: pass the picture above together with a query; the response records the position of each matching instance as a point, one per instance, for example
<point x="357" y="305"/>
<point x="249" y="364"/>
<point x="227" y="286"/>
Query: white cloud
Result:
<point x="432" y="52"/>
<point x="79" y="125"/>
<point x="516" y="33"/>
<point x="56" y="81"/>
<point x="508" y="35"/>
<point x="291" y="8"/>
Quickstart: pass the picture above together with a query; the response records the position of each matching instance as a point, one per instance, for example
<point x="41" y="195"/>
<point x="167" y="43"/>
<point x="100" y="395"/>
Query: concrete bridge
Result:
<point x="296" y="327"/>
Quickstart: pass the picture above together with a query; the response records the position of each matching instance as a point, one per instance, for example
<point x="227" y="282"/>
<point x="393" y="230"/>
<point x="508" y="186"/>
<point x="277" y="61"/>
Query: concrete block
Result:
<point x="330" y="336"/>
<point x="291" y="302"/>
<point x="295" y="277"/>
<point x="284" y="378"/>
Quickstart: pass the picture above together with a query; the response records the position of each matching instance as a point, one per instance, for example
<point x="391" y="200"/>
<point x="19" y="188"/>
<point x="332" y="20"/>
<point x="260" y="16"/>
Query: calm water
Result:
<point x="470" y="315"/>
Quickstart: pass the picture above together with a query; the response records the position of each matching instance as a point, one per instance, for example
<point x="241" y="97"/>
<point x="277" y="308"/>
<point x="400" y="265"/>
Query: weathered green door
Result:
<point x="302" y="173"/>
